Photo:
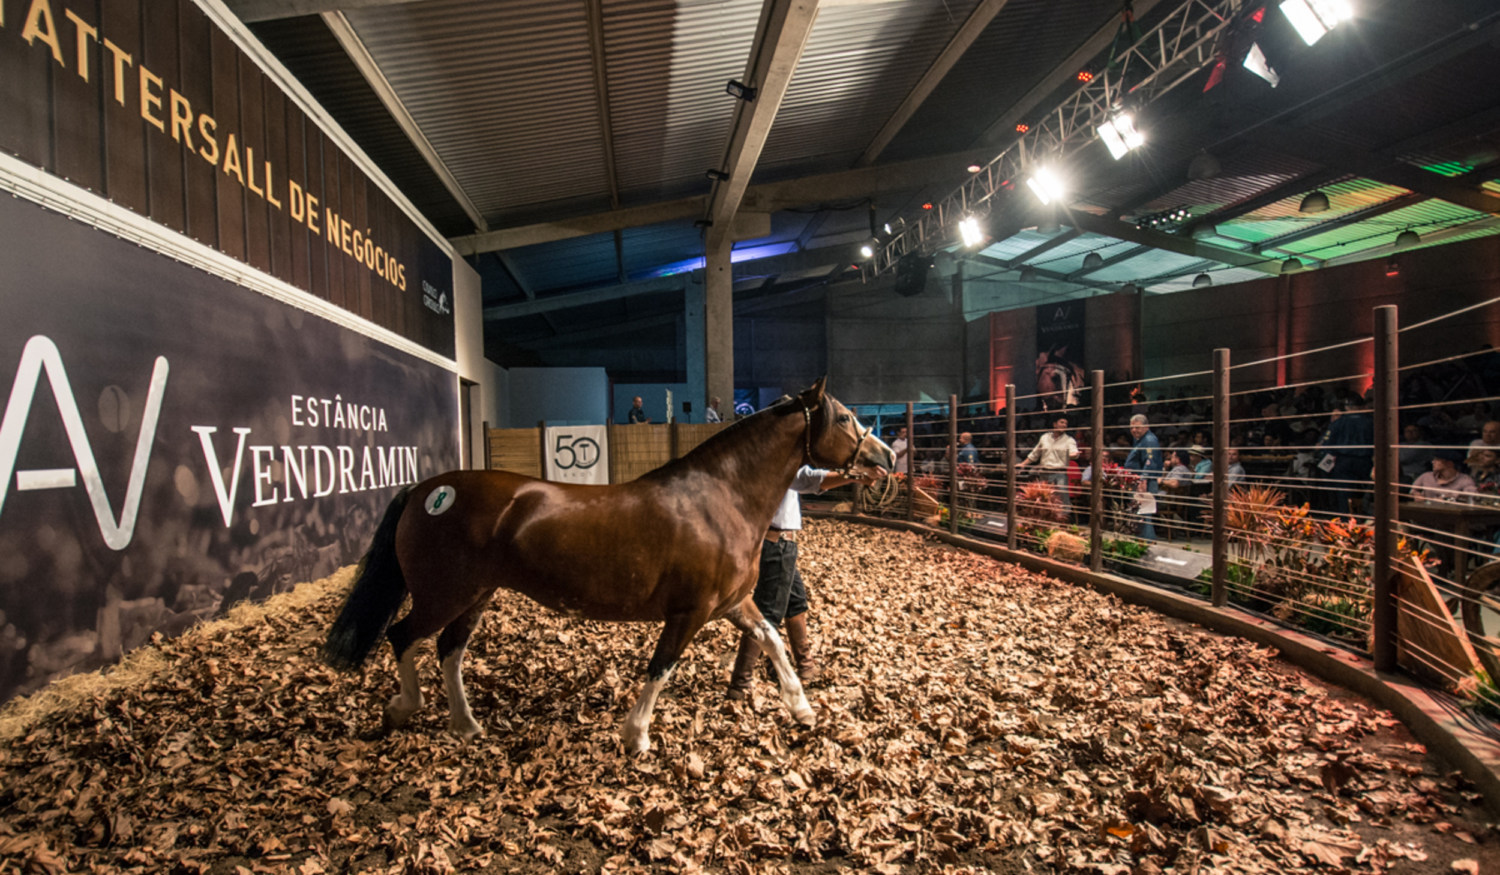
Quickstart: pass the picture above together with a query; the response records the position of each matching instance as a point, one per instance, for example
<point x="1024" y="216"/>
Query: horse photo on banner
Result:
<point x="578" y="454"/>
<point x="1059" y="354"/>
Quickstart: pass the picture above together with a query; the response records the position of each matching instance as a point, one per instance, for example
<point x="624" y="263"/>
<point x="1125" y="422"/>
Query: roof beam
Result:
<point x="1001" y="266"/>
<point x="782" y="34"/>
<point x="842" y="185"/>
<point x="355" y="48"/>
<point x="1066" y="235"/>
<point x="1349" y="218"/>
<point x="674" y="283"/>
<point x="972" y="27"/>
<point x="268" y="10"/>
<point x="1170" y="242"/>
<point x="601" y="94"/>
<point x="1488" y="223"/>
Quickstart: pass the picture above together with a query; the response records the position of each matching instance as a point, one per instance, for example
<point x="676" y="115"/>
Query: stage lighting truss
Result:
<point x="1180" y="45"/>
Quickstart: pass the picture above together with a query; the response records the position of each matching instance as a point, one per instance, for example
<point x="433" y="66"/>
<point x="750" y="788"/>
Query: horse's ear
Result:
<point x="814" y="393"/>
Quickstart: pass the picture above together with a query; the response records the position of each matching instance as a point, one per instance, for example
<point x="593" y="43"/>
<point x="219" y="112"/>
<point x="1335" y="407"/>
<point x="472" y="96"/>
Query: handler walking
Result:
<point x="779" y="592"/>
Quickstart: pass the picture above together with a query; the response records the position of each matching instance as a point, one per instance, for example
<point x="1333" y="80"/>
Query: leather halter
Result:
<point x="848" y="469"/>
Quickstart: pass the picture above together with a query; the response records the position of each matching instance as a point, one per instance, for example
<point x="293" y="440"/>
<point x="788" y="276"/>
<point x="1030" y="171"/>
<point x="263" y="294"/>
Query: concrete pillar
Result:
<point x="694" y="350"/>
<point x="718" y="323"/>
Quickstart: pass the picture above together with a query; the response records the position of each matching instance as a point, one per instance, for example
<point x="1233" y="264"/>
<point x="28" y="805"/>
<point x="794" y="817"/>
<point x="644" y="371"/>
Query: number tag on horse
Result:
<point x="440" y="499"/>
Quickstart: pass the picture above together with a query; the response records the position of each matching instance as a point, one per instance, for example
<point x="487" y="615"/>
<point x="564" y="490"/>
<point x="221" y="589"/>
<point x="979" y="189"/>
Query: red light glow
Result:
<point x="927" y="206"/>
<point x="1085" y="76"/>
<point x="1022" y="128"/>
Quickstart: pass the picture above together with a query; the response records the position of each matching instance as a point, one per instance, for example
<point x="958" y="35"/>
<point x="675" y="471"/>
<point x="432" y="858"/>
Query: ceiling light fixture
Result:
<point x="1315" y="18"/>
<point x="738" y="89"/>
<point x="1028" y="274"/>
<point x="1407" y="239"/>
<point x="975" y="168"/>
<point x="1291" y="265"/>
<point x="970" y="232"/>
<point x="1120" y="135"/>
<point x="1314" y="202"/>
<point x="1093" y="261"/>
<point x="1255" y="62"/>
<point x="1165" y="220"/>
<point x="1046" y="185"/>
<point x="1202" y="281"/>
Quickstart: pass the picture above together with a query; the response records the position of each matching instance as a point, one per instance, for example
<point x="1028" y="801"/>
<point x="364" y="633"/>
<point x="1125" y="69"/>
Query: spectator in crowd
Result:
<point x="1347" y="454"/>
<point x="1415" y="454"/>
<point x="1444" y="482"/>
<point x="712" y="413"/>
<point x="901" y="449"/>
<point x="1234" y="472"/>
<point x="1203" y="466"/>
<point x="1179" y="472"/>
<point x="1489" y="439"/>
<point x="637" y="412"/>
<point x="968" y="454"/>
<point x="1053" y="451"/>
<point x="1146" y="461"/>
<point x="1484" y="467"/>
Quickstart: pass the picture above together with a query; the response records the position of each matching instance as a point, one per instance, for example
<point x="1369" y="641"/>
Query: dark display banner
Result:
<point x="1059" y="354"/>
<point x="148" y="103"/>
<point x="172" y="443"/>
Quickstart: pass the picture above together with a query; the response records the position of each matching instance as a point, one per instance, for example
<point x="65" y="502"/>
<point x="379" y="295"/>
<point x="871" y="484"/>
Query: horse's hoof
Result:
<point x="806" y="718"/>
<point x="637" y="745"/>
<point x="466" y="731"/>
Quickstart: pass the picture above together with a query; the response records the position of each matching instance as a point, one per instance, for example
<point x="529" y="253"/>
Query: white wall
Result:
<point x="654" y="402"/>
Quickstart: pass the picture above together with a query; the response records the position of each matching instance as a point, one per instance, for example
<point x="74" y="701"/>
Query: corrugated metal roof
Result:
<point x="1285" y="216"/>
<point x="1424" y="217"/>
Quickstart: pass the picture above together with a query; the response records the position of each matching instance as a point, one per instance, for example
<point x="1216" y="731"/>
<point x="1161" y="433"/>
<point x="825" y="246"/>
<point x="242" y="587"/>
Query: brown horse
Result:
<point x="680" y="545"/>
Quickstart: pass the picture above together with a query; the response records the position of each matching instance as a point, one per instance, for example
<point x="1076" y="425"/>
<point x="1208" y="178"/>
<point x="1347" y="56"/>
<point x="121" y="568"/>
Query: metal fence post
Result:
<point x="485" y="427"/>
<point x="1010" y="465"/>
<point x="953" y="464"/>
<point x="1096" y="475"/>
<point x="911" y="467"/>
<point x="1387" y="362"/>
<point x="1218" y="591"/>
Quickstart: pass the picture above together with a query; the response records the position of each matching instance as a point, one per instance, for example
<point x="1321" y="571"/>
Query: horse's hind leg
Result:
<point x="675" y="636"/>
<point x="451" y="646"/>
<point x="747" y="618"/>
<point x="409" y="700"/>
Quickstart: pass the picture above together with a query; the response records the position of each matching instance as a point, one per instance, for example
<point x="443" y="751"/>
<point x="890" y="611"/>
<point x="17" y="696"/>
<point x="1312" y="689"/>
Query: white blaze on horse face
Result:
<point x="439" y="500"/>
<point x="636" y="731"/>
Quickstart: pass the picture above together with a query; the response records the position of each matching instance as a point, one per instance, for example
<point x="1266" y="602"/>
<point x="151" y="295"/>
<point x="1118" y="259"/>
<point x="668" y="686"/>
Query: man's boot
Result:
<point x="808" y="670"/>
<point x="744" y="668"/>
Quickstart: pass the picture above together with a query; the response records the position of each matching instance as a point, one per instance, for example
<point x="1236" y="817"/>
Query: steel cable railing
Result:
<point x="1288" y="528"/>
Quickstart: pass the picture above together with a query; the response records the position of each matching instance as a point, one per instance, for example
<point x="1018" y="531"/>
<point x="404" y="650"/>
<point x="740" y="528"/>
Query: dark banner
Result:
<point x="173" y="443"/>
<point x="152" y="106"/>
<point x="1060" y="373"/>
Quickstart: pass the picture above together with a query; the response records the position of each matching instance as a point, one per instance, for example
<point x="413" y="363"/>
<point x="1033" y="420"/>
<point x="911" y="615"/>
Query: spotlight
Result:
<point x="1202" y="281"/>
<point x="738" y="89"/>
<point x="716" y="175"/>
<point x="1028" y="274"/>
<point x="1046" y="185"/>
<point x="1022" y="128"/>
<point x="1407" y="239"/>
<point x="1204" y="166"/>
<point x="1291" y="265"/>
<point x="1120" y="135"/>
<point x="1255" y="62"/>
<point x="969" y="230"/>
<point x="975" y="168"/>
<point x="867" y="250"/>
<point x="927" y="205"/>
<point x="1165" y="220"/>
<point x="1085" y="76"/>
<point x="1314" y="18"/>
<point x="1093" y="261"/>
<point x="1315" y="202"/>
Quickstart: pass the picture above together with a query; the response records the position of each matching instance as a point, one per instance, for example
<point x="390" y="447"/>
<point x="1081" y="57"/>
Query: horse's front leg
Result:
<point x="675" y="637"/>
<point x="747" y="618"/>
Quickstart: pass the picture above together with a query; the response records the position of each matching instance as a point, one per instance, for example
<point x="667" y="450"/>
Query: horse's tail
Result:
<point x="379" y="589"/>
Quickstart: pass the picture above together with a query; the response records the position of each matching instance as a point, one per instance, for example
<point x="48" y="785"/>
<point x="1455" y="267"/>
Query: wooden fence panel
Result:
<point x="687" y="435"/>
<point x="636" y="449"/>
<point x="515" y="449"/>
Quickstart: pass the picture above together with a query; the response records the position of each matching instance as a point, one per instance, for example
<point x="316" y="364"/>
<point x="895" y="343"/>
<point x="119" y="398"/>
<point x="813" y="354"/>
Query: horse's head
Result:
<point x="836" y="439"/>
